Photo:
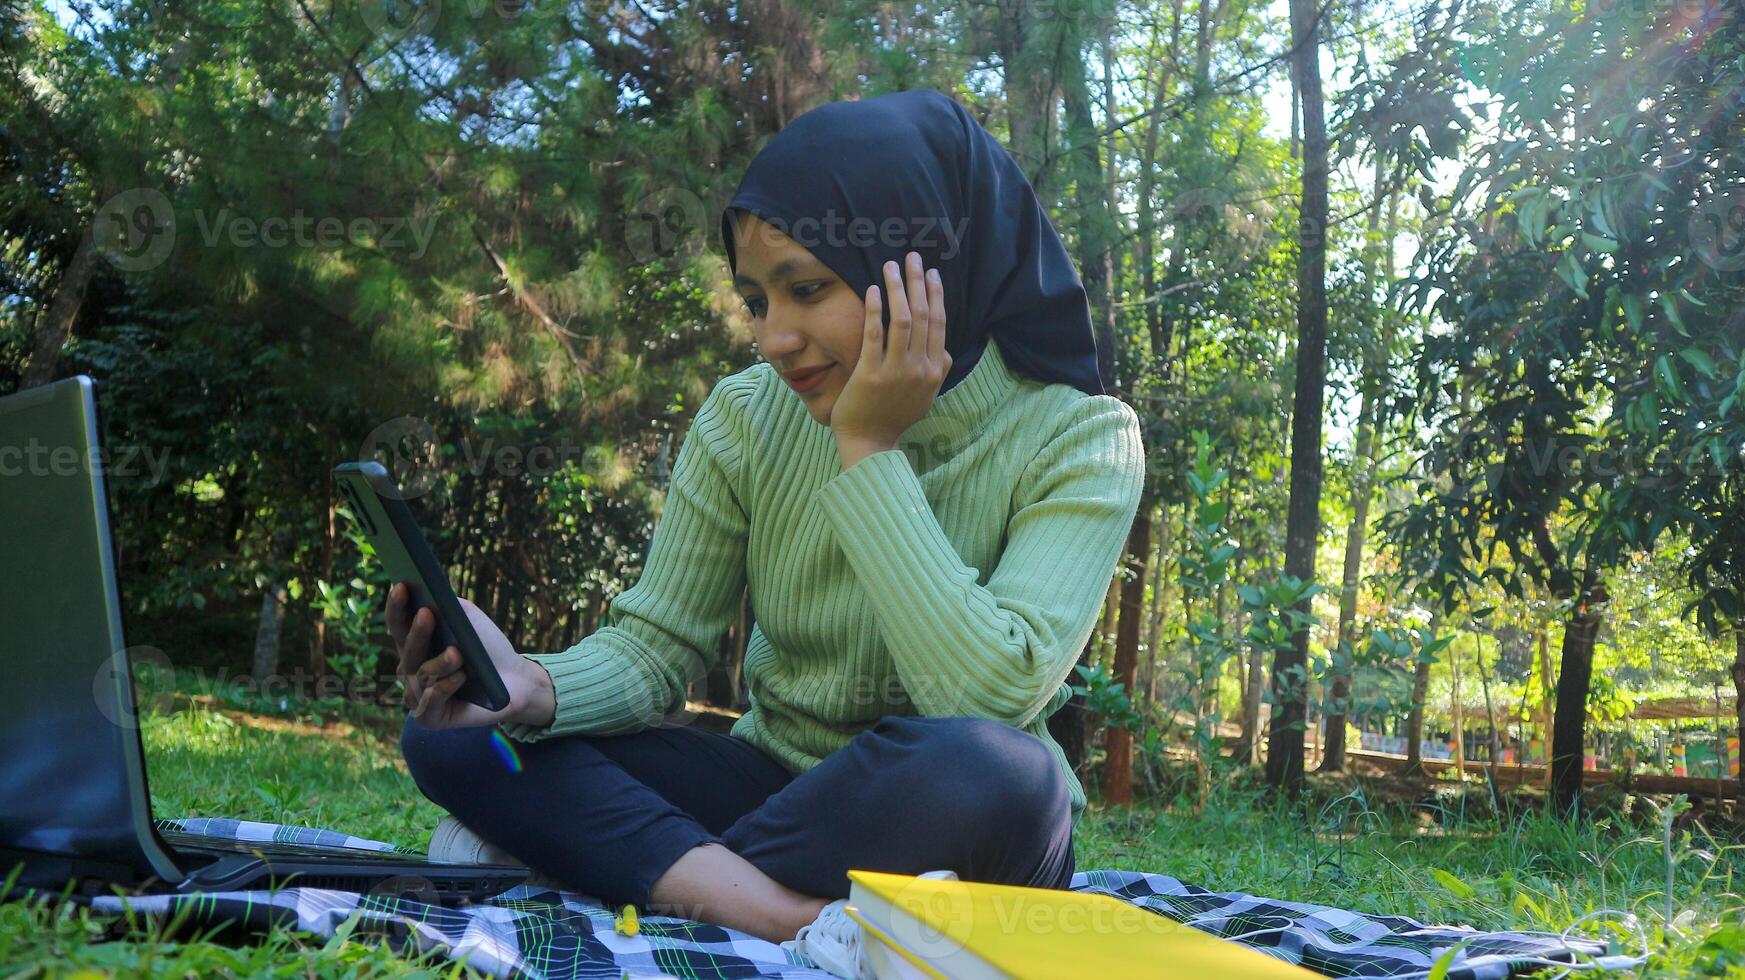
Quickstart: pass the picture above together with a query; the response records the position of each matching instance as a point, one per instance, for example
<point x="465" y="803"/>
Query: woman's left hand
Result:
<point x="894" y="383"/>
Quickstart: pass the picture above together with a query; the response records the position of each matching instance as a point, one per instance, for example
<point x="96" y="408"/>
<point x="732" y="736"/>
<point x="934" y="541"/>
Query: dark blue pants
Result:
<point x="608" y="815"/>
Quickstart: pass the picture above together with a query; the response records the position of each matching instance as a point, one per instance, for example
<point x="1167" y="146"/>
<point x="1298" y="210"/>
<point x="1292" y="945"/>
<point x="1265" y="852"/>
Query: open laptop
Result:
<point x="74" y="806"/>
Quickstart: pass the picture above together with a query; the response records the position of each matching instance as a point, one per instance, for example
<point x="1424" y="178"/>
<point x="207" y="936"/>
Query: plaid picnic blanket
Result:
<point x="544" y="933"/>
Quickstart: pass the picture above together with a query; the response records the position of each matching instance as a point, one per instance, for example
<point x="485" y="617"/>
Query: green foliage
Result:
<point x="352" y="615"/>
<point x="298" y="249"/>
<point x="1276" y="611"/>
<point x="1106" y="697"/>
<point x="1580" y="409"/>
<point x="1205" y="569"/>
<point x="525" y="271"/>
<point x="1382" y="665"/>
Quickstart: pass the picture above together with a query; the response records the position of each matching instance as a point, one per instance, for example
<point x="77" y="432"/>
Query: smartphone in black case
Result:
<point x="380" y="510"/>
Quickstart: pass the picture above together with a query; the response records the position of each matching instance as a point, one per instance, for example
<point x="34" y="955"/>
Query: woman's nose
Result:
<point x="780" y="337"/>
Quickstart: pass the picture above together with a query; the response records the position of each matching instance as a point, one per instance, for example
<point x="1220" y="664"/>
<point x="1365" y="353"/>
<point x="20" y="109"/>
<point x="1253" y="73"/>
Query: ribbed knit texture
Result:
<point x="959" y="574"/>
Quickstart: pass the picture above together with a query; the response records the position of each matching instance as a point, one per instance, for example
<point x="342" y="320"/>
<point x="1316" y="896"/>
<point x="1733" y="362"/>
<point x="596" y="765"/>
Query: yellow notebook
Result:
<point x="965" y="930"/>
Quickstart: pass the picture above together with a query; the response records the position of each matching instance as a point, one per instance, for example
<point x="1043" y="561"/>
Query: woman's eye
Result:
<point x="807" y="290"/>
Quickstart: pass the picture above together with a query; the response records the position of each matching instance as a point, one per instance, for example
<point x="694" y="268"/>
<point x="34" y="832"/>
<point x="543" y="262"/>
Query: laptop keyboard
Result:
<point x="182" y="840"/>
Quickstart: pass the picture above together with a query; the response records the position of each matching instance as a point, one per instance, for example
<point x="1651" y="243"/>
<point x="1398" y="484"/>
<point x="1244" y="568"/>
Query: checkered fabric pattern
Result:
<point x="543" y="933"/>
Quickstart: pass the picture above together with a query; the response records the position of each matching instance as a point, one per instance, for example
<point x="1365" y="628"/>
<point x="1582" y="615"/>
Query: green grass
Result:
<point x="1531" y="872"/>
<point x="202" y="762"/>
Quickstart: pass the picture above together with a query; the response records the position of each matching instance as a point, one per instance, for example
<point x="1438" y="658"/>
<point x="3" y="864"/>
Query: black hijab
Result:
<point x="860" y="183"/>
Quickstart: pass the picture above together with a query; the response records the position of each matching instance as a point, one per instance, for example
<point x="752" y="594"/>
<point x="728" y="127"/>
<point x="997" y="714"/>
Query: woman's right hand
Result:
<point x="430" y="681"/>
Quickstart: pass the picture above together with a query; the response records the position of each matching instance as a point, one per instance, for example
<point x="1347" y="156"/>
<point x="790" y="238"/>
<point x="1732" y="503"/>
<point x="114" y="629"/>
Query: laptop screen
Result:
<point x="71" y="776"/>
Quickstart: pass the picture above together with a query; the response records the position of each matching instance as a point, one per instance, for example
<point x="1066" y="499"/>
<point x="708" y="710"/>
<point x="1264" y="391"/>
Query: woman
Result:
<point x="927" y="516"/>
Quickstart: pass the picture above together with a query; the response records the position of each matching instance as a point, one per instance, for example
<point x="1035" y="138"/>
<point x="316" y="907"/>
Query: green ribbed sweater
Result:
<point x="959" y="574"/>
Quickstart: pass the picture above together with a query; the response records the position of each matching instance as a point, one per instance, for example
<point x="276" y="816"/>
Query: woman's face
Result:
<point x="804" y="316"/>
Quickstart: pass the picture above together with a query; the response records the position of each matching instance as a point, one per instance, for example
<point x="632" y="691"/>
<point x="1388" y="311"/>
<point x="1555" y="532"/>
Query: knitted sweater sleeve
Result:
<point x="661" y="634"/>
<point x="1002" y="650"/>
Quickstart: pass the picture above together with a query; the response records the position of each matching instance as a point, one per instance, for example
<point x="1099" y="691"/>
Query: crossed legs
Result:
<point x="705" y="825"/>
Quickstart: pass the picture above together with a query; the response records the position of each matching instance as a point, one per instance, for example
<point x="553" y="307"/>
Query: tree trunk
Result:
<point x="1112" y="614"/>
<point x="266" y="637"/>
<point x="1284" y="755"/>
<point x="1208" y="698"/>
<point x="1203" y="33"/>
<point x="1254" y="696"/>
<point x="1154" y="618"/>
<point x="57" y="322"/>
<point x="1068" y="726"/>
<point x="1575" y="667"/>
<point x="1415" y="720"/>
<point x="1096" y="232"/>
<point x="1459" y="713"/>
<point x="1720" y="751"/>
<point x="1362" y="471"/>
<point x="1548" y="696"/>
<point x="1156" y="327"/>
<point x="1071" y="725"/>
<point x="1114" y="257"/>
<point x="329" y="532"/>
<point x="1739" y="691"/>
<point x="1569" y="728"/>
<point x="1118" y="767"/>
<point x="1030" y="93"/>
<point x="1362" y="478"/>
<point x="1490" y="711"/>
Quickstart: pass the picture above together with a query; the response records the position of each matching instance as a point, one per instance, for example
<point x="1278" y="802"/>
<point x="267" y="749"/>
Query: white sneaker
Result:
<point x="452" y="842"/>
<point x="833" y="939"/>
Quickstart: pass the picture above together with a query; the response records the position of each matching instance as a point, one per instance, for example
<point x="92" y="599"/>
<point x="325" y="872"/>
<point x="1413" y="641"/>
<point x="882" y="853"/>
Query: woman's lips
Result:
<point x="805" y="381"/>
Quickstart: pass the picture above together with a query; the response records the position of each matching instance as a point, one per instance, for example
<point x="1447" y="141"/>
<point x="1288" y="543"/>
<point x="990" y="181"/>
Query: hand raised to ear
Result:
<point x="898" y="376"/>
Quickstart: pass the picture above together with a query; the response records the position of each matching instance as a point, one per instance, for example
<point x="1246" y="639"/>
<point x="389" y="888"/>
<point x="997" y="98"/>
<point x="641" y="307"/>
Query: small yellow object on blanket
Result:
<point x="626" y="924"/>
